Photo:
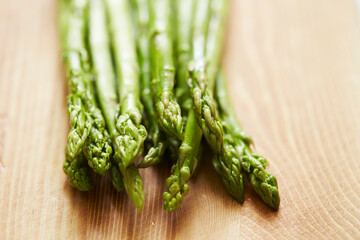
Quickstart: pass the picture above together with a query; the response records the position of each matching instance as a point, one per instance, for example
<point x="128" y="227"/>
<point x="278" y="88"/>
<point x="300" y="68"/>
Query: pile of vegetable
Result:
<point x="145" y="82"/>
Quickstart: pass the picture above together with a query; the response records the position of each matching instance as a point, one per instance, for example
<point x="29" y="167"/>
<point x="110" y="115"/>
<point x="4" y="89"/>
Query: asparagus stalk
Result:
<point x="104" y="75"/>
<point x="201" y="81"/>
<point x="155" y="138"/>
<point x="94" y="144"/>
<point x="264" y="183"/>
<point x="129" y="136"/>
<point x="74" y="54"/>
<point x="202" y="77"/>
<point x="177" y="186"/>
<point x="184" y="19"/>
<point x="163" y="71"/>
<point x="227" y="163"/>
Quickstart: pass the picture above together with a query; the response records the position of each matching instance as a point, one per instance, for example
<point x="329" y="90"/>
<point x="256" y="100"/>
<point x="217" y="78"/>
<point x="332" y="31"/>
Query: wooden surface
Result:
<point x="294" y="72"/>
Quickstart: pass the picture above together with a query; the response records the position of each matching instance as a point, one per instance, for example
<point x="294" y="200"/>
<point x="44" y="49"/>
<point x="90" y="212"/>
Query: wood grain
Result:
<point x="294" y="72"/>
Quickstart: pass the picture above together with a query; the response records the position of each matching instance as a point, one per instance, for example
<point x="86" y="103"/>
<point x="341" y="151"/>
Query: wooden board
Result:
<point x="294" y="72"/>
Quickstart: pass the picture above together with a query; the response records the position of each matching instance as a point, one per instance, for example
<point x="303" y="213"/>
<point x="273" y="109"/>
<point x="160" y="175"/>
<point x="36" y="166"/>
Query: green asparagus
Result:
<point x="187" y="34"/>
<point x="80" y="122"/>
<point x="75" y="165"/>
<point x="202" y="77"/>
<point x="97" y="147"/>
<point x="201" y="81"/>
<point x="163" y="71"/>
<point x="177" y="186"/>
<point x="129" y="136"/>
<point x="264" y="183"/>
<point x="104" y="75"/>
<point x="74" y="55"/>
<point x="227" y="163"/>
<point x="155" y="139"/>
<point x="184" y="19"/>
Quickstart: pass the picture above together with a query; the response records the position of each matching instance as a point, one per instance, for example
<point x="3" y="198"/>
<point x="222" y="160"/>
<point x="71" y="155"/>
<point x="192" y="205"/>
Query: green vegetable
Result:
<point x="177" y="186"/>
<point x="155" y="139"/>
<point x="81" y="122"/>
<point x="201" y="82"/>
<point x="228" y="164"/>
<point x="97" y="148"/>
<point x="184" y="11"/>
<point x="264" y="183"/>
<point x="205" y="62"/>
<point x="116" y="177"/>
<point x="104" y="75"/>
<point x="75" y="165"/>
<point x="163" y="71"/>
<point x="143" y="52"/>
<point x="129" y="137"/>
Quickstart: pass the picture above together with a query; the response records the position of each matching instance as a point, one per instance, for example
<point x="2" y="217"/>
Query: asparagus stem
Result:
<point x="64" y="9"/>
<point x="173" y="148"/>
<point x="155" y="139"/>
<point x="264" y="183"/>
<point x="163" y="71"/>
<point x="75" y="60"/>
<point x="94" y="144"/>
<point x="116" y="177"/>
<point x="129" y="136"/>
<point x="184" y="19"/>
<point x="187" y="161"/>
<point x="227" y="163"/>
<point x="105" y="77"/>
<point x="177" y="186"/>
<point x="101" y="62"/>
<point x="215" y="39"/>
<point x="206" y="56"/>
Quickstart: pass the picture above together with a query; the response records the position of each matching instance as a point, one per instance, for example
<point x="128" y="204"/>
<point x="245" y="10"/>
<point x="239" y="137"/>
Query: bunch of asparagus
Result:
<point x="145" y="74"/>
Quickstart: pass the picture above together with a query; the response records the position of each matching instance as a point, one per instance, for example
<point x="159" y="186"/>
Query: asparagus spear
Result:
<point x="163" y="71"/>
<point x="155" y="138"/>
<point x="202" y="77"/>
<point x="74" y="54"/>
<point x="105" y="77"/>
<point x="177" y="186"/>
<point x="129" y="136"/>
<point x="95" y="145"/>
<point x="264" y="183"/>
<point x="184" y="19"/>
<point x="201" y="82"/>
